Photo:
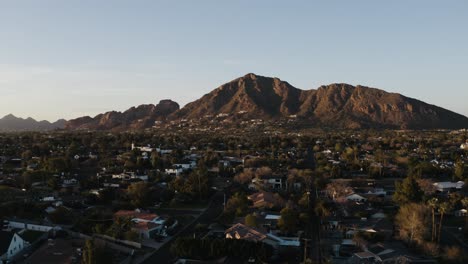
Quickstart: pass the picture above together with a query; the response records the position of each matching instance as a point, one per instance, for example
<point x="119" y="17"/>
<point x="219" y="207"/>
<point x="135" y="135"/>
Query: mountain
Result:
<point x="139" y="117"/>
<point x="256" y="97"/>
<point x="13" y="123"/>
<point x="334" y="105"/>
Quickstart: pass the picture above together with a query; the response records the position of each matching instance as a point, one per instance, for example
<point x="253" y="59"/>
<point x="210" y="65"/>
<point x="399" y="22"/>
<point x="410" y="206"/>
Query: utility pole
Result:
<point x="305" y="248"/>
<point x="224" y="204"/>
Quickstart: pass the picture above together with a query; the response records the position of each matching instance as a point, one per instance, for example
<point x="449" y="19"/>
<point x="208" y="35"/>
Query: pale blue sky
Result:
<point x="72" y="58"/>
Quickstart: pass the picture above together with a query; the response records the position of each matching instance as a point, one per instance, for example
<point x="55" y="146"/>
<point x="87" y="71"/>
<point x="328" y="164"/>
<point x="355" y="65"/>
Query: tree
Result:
<point x="57" y="165"/>
<point x="338" y="189"/>
<point x="89" y="253"/>
<point x="443" y="209"/>
<point x="412" y="221"/>
<point x="433" y="204"/>
<point x="197" y="183"/>
<point x="459" y="170"/>
<point x="251" y="220"/>
<point x="139" y="194"/>
<point x="237" y="205"/>
<point x="321" y="209"/>
<point x="52" y="182"/>
<point x="407" y="191"/>
<point x="120" y="227"/>
<point x="61" y="215"/>
<point x="288" y="221"/>
<point x="93" y="254"/>
<point x="156" y="161"/>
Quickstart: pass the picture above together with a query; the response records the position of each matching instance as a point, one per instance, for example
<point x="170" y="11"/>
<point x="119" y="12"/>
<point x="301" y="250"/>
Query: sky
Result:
<point x="67" y="58"/>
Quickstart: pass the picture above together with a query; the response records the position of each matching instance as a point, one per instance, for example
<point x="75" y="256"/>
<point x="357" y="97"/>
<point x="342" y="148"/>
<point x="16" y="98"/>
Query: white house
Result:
<point x="130" y="176"/>
<point x="10" y="245"/>
<point x="28" y="225"/>
<point x="355" y="198"/>
<point x="143" y="149"/>
<point x="446" y="186"/>
<point x="178" y="169"/>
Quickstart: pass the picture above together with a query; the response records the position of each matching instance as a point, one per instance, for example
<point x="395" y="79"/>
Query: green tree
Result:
<point x="288" y="221"/>
<point x="251" y="220"/>
<point x="459" y="170"/>
<point x="139" y="194"/>
<point x="407" y="191"/>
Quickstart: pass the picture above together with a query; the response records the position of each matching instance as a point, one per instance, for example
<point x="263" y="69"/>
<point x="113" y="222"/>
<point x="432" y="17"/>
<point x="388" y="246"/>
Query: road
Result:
<point x="163" y="254"/>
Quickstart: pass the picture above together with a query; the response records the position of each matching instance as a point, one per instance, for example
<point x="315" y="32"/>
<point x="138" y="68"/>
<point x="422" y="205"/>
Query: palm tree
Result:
<point x="433" y="203"/>
<point x="443" y="209"/>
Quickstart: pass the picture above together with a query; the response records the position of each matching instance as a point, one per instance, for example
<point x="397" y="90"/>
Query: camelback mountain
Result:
<point x="258" y="97"/>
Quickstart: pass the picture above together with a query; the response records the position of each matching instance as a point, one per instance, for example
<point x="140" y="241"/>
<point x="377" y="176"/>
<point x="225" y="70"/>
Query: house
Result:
<point x="377" y="192"/>
<point x="355" y="198"/>
<point x="69" y="183"/>
<point x="11" y="243"/>
<point x="267" y="200"/>
<point x="241" y="231"/>
<point x="460" y="213"/>
<point x="130" y="176"/>
<point x="447" y="186"/>
<point x="178" y="169"/>
<point x="174" y="171"/>
<point x="273" y="182"/>
<point x="147" y="225"/>
<point x="28" y="225"/>
<point x="143" y="149"/>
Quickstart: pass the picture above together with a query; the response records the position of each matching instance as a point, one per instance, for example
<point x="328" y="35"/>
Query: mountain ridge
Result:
<point x="336" y="105"/>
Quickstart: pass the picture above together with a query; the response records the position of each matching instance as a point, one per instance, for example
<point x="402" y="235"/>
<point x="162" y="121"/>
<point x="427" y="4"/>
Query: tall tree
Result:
<point x="443" y="209"/>
<point x="407" y="191"/>
<point x="412" y="220"/>
<point x="89" y="253"/>
<point x="433" y="204"/>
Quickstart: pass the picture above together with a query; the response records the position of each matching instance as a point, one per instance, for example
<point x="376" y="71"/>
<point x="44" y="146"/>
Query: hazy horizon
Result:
<point x="64" y="59"/>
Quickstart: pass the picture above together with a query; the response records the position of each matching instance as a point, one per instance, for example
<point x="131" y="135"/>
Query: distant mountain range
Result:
<point x="257" y="97"/>
<point x="139" y="117"/>
<point x="13" y="123"/>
